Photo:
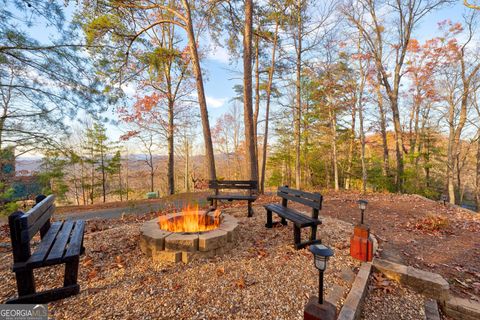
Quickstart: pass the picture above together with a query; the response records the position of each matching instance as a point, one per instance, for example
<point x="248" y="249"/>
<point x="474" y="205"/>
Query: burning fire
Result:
<point x="190" y="220"/>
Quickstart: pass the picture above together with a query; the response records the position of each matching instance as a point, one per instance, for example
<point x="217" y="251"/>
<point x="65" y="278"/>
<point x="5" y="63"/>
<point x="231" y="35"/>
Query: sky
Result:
<point x="220" y="79"/>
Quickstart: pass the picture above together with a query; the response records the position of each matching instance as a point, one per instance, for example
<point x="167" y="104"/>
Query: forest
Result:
<point x="111" y="98"/>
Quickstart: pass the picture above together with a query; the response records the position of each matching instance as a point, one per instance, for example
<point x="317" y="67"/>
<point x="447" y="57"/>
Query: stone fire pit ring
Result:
<point x="163" y="245"/>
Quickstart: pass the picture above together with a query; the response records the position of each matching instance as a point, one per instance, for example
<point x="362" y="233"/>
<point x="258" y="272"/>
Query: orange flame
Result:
<point x="190" y="220"/>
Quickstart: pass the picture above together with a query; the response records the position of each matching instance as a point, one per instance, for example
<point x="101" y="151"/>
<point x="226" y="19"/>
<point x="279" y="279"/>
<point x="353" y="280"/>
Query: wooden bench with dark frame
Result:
<point x="312" y="200"/>
<point x="250" y="185"/>
<point x="61" y="243"/>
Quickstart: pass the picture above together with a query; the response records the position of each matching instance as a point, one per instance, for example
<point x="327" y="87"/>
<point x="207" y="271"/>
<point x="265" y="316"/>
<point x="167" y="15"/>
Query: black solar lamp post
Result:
<point x="362" y="204"/>
<point x="321" y="254"/>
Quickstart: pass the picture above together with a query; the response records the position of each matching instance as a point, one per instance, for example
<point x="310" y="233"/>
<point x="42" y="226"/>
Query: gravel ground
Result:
<point x="262" y="278"/>
<point x="388" y="300"/>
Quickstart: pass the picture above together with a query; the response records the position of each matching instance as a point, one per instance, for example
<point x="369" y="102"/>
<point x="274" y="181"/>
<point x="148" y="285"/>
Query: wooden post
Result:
<point x="269" y="219"/>
<point x="296" y="235"/>
<point x="71" y="272"/>
<point x="313" y="236"/>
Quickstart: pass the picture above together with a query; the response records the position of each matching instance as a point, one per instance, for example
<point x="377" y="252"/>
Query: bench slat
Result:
<point x="308" y="195"/>
<point x="292" y="215"/>
<point x="28" y="233"/>
<point x="75" y="244"/>
<point x="37" y="211"/>
<point x="58" y="248"/>
<point x="307" y="202"/>
<point x="45" y="245"/>
<point x="233" y="197"/>
<point x="233" y="184"/>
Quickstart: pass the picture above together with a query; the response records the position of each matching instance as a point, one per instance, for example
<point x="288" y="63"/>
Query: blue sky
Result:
<point x="220" y="79"/>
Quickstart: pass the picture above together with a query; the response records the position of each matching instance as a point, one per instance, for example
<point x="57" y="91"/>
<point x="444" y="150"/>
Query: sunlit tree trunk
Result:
<point x="207" y="136"/>
<point x="351" y="148"/>
<point x="383" y="127"/>
<point x="333" y="124"/>
<point x="360" y="118"/>
<point x="267" y="109"/>
<point x="257" y="96"/>
<point x="247" y="92"/>
<point x="171" y="157"/>
<point x="187" y="165"/>
<point x="477" y="178"/>
<point x="298" y="105"/>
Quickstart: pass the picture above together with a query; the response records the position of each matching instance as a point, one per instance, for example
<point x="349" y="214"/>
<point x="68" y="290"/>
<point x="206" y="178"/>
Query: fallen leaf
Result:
<point x="240" y="283"/>
<point x="92" y="274"/>
<point x="87" y="262"/>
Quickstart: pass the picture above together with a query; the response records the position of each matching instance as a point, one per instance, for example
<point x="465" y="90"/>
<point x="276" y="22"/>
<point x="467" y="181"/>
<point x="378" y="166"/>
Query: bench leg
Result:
<point x="47" y="296"/>
<point x="313" y="236"/>
<point x="269" y="223"/>
<point x="297" y="236"/>
<point x="25" y="282"/>
<point x="284" y="221"/>
<point x="71" y="272"/>
<point x="250" y="210"/>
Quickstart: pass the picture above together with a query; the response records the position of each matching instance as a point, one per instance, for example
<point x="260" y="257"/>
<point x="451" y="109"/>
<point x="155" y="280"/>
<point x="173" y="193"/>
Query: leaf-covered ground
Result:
<point x="262" y="278"/>
<point x="419" y="232"/>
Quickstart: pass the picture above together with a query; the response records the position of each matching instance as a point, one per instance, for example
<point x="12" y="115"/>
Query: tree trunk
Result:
<point x="362" y="142"/>
<point x="333" y="123"/>
<point x="360" y="118"/>
<point x="247" y="92"/>
<point x="477" y="179"/>
<point x="102" y="159"/>
<point x="399" y="177"/>
<point x="75" y="184"/>
<point x="149" y="162"/>
<point x="152" y="179"/>
<point x="187" y="165"/>
<point x="93" y="179"/>
<point x="451" y="154"/>
<point x="207" y="136"/>
<point x="84" y="197"/>
<point x="257" y="96"/>
<point x="267" y="109"/>
<point x="120" y="179"/>
<point x="351" y="149"/>
<point x="298" y="105"/>
<point x="126" y="176"/>
<point x="383" y="128"/>
<point x="171" y="157"/>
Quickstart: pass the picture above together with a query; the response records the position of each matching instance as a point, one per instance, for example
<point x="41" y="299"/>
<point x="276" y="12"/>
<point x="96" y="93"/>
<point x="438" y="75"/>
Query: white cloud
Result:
<point x="219" y="54"/>
<point x="215" y="102"/>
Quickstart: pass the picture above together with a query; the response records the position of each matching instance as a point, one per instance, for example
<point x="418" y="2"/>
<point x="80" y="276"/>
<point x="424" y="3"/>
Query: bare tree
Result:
<point x="369" y="17"/>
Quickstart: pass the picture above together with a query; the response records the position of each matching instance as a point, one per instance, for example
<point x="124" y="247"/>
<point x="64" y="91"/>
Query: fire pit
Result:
<point x="188" y="235"/>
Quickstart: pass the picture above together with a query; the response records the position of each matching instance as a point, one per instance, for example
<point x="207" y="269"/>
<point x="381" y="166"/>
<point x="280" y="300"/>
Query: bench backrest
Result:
<point x="312" y="200"/>
<point x="251" y="185"/>
<point x="24" y="226"/>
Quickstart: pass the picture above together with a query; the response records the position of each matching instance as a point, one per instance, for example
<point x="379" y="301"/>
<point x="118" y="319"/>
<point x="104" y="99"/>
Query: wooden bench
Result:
<point x="61" y="243"/>
<point x="312" y="200"/>
<point x="250" y="185"/>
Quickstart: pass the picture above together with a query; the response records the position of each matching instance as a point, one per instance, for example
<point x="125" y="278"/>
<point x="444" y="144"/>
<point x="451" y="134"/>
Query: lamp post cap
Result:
<point x="361" y="201"/>
<point x="321" y="250"/>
